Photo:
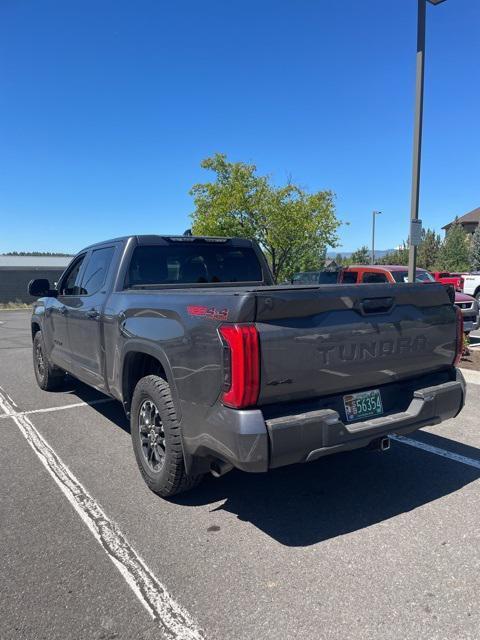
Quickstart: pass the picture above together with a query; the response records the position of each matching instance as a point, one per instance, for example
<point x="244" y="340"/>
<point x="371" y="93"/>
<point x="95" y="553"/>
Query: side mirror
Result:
<point x="39" y="288"/>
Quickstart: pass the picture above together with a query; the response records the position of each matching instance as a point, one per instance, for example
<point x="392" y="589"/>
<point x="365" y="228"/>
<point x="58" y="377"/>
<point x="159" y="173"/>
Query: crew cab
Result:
<point x="217" y="367"/>
<point x="468" y="306"/>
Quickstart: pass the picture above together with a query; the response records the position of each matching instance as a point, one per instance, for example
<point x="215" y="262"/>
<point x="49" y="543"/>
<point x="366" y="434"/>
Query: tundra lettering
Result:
<point x="374" y="349"/>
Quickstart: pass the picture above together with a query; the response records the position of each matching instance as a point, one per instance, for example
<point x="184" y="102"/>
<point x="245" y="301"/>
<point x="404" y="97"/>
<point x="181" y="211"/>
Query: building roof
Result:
<point x="13" y="262"/>
<point x="471" y="216"/>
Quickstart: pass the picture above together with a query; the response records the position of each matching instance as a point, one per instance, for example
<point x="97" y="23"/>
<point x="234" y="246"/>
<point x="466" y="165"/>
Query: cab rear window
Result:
<point x="192" y="264"/>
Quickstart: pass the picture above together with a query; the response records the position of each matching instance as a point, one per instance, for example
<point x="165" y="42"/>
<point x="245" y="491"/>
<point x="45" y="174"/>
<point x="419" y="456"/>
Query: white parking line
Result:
<point x="471" y="462"/>
<point x="173" y="620"/>
<point x="62" y="408"/>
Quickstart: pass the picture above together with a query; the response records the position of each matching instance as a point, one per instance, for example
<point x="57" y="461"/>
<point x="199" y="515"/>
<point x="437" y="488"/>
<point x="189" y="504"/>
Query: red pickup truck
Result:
<point x="398" y="273"/>
<point x="449" y="278"/>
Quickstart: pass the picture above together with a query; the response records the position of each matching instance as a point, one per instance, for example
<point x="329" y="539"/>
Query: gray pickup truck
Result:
<point x="217" y="368"/>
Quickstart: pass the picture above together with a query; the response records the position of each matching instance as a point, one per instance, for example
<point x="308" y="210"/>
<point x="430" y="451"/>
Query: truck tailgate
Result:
<point x="331" y="339"/>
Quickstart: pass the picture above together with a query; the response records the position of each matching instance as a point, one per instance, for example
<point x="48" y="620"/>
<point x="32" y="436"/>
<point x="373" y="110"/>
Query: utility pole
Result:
<point x="415" y="223"/>
<point x="374" y="215"/>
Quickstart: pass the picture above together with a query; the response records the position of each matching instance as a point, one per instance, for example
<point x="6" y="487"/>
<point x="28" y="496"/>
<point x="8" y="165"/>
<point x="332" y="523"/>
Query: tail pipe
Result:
<point x="380" y="444"/>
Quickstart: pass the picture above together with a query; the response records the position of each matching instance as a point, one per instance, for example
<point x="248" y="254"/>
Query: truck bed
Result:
<point x="326" y="339"/>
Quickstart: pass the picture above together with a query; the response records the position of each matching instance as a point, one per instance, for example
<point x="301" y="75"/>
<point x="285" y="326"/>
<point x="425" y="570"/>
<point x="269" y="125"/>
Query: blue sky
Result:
<point x="108" y="106"/>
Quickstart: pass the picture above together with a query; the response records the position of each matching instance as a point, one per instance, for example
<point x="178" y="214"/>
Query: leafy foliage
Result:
<point x="340" y="260"/>
<point x="428" y="251"/>
<point x="293" y="227"/>
<point x="398" y="256"/>
<point x="37" y="253"/>
<point x="454" y="252"/>
<point x="361" y="256"/>
<point x="475" y="251"/>
<point x="427" y="254"/>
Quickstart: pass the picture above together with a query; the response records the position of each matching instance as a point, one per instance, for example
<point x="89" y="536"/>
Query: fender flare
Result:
<point x="138" y="345"/>
<point x="36" y="319"/>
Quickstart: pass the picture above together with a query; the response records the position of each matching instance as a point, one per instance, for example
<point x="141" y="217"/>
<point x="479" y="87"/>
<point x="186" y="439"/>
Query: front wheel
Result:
<point x="156" y="438"/>
<point x="48" y="376"/>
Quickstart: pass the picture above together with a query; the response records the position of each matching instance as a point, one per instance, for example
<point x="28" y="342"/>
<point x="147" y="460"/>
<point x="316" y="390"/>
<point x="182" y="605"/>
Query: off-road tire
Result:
<point x="48" y="376"/>
<point x="171" y="478"/>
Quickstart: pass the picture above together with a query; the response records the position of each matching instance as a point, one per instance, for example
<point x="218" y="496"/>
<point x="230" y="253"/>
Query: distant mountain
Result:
<point x="379" y="253"/>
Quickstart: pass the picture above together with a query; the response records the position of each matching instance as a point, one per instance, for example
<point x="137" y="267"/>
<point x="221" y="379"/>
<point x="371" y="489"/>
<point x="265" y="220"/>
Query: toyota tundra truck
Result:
<point x="216" y="367"/>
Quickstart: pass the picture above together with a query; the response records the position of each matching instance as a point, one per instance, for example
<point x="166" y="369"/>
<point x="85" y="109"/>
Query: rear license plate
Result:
<point x="363" y="405"/>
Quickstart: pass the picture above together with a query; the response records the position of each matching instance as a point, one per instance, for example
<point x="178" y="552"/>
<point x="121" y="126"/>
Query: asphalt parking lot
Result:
<point x="359" y="545"/>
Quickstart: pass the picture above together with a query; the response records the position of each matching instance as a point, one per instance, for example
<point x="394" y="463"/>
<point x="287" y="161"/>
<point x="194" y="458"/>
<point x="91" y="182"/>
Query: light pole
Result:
<point x="417" y="138"/>
<point x="374" y="215"/>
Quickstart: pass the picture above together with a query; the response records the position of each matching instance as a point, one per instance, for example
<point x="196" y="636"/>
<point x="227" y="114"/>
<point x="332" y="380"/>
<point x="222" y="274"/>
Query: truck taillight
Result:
<point x="241" y="365"/>
<point x="459" y="344"/>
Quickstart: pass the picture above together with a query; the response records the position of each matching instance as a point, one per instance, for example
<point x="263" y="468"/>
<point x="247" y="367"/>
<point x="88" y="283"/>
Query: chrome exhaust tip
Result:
<point x="380" y="444"/>
<point x="384" y="444"/>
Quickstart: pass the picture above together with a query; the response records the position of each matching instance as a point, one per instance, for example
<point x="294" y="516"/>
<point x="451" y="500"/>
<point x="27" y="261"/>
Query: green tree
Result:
<point x="428" y="251"/>
<point x="36" y="253"/>
<point x="475" y="251"/>
<point x="293" y="227"/>
<point x="454" y="252"/>
<point x="361" y="256"/>
<point x="397" y="256"/>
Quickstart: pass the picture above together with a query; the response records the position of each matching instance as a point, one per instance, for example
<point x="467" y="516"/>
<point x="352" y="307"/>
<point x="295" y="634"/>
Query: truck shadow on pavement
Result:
<point x="305" y="504"/>
<point x="302" y="505"/>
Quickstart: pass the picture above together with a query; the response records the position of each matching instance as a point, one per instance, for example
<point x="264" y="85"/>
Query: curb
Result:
<point x="473" y="377"/>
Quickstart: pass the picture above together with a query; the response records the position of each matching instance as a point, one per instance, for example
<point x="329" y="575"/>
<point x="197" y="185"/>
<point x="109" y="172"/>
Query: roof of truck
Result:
<point x="155" y="238"/>
<point x="382" y="267"/>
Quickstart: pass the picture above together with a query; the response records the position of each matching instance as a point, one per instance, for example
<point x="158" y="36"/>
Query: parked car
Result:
<point x="471" y="284"/>
<point x="469" y="306"/>
<point x="398" y="273"/>
<point x="445" y="277"/>
<point x="217" y="368"/>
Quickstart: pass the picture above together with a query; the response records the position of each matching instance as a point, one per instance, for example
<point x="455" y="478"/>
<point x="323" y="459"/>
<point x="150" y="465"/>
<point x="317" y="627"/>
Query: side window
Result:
<point x="350" y="277"/>
<point x="371" y="276"/>
<point x="70" y="284"/>
<point x="96" y="270"/>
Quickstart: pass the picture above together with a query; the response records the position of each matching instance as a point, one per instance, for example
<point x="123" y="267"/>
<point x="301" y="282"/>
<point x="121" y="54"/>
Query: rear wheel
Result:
<point x="156" y="438"/>
<point x="48" y="376"/>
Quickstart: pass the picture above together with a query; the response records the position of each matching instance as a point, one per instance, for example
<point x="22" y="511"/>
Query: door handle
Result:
<point x="93" y="313"/>
<point x="63" y="311"/>
<point x="376" y="305"/>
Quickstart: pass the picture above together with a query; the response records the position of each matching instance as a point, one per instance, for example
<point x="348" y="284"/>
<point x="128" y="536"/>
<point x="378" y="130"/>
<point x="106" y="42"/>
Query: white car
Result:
<point x="471" y="284"/>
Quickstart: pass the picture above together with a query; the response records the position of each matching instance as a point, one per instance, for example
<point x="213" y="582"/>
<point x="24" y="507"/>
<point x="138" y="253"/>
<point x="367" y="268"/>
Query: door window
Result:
<point x="372" y="276"/>
<point x="70" y="284"/>
<point x="96" y="270"/>
<point x="349" y="277"/>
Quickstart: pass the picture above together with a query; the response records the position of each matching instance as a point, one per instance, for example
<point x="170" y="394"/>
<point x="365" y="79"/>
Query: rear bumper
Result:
<point x="251" y="442"/>
<point x="310" y="436"/>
